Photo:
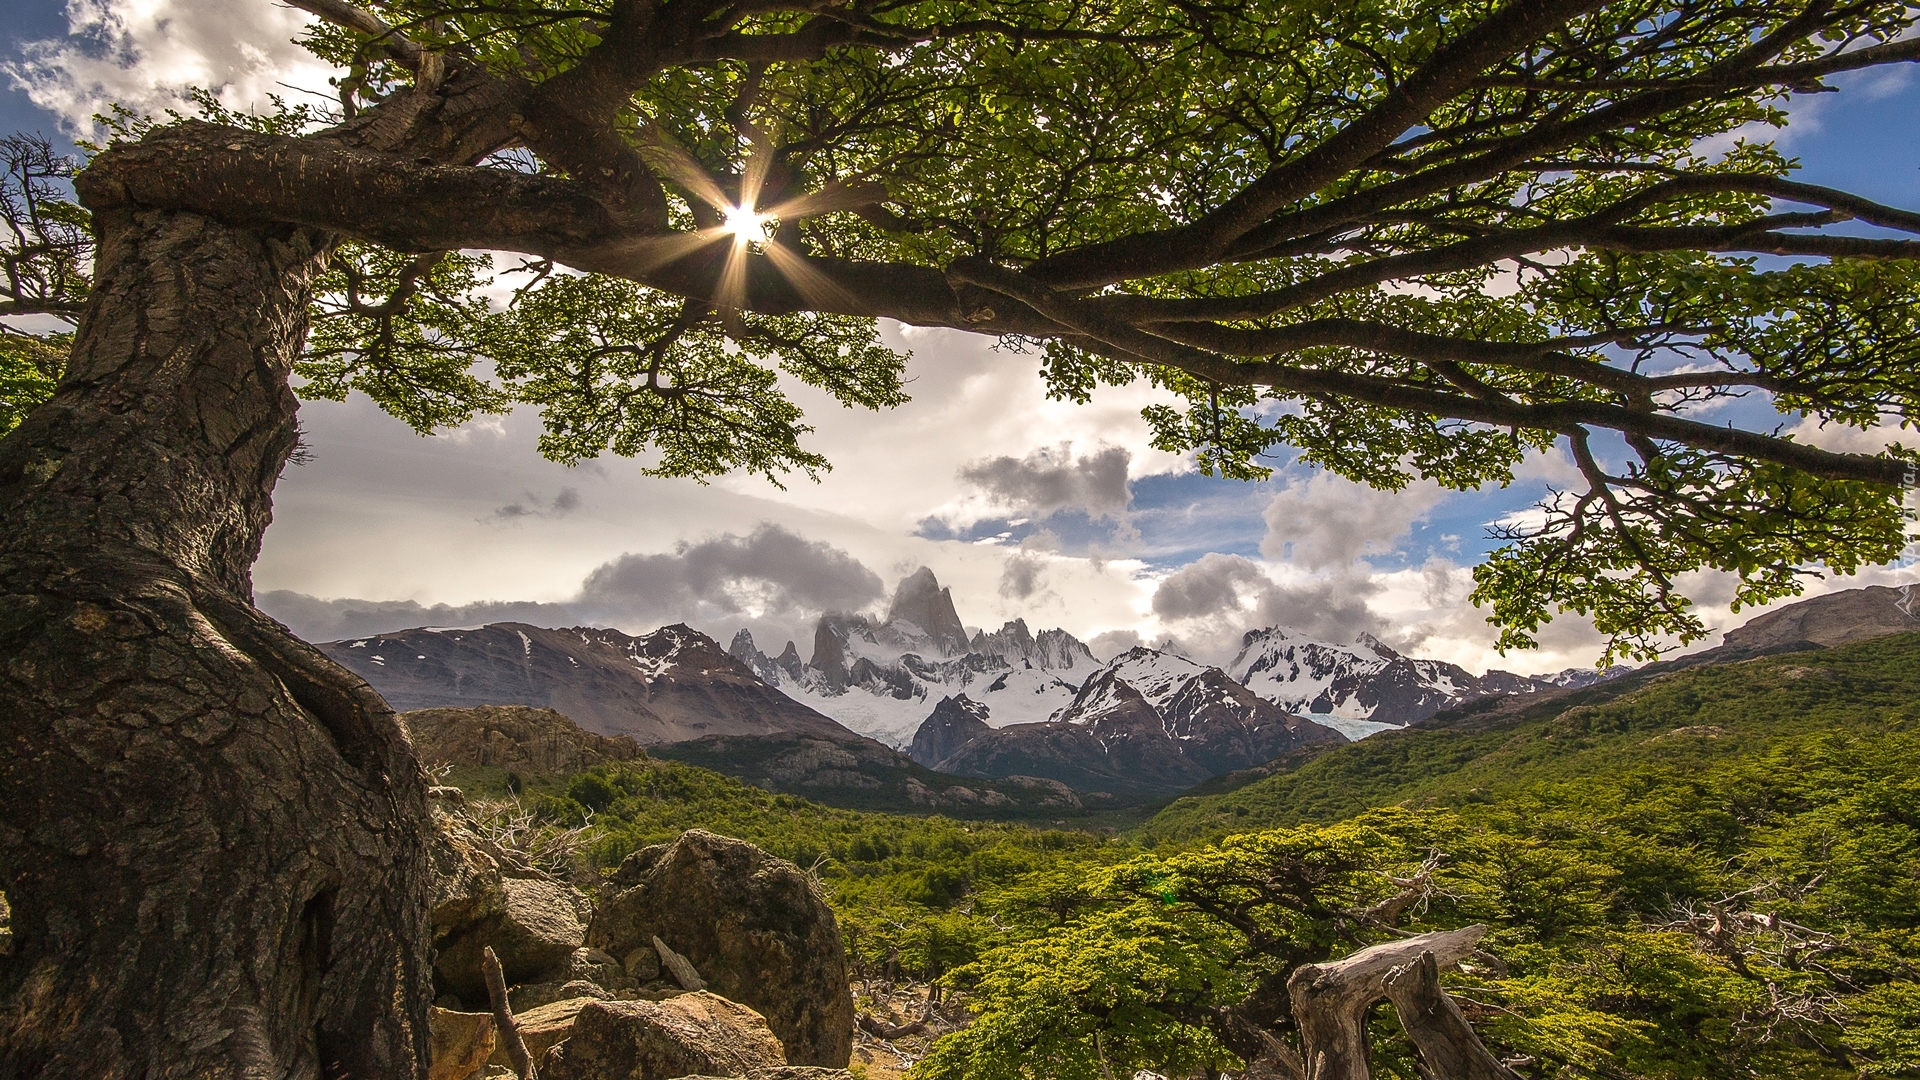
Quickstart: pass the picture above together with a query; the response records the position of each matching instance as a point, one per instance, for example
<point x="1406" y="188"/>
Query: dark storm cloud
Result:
<point x="770" y="570"/>
<point x="1209" y="599"/>
<point x="779" y="578"/>
<point x="1050" y="480"/>
<point x="1332" y="609"/>
<point x="1024" y="575"/>
<point x="1211" y="585"/>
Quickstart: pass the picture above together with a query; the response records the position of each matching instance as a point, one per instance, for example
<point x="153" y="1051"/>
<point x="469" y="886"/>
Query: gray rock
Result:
<point x="643" y="964"/>
<point x="601" y="969"/>
<point x="538" y="995"/>
<point x="482" y="897"/>
<point x="754" y="926"/>
<point x="696" y="1033"/>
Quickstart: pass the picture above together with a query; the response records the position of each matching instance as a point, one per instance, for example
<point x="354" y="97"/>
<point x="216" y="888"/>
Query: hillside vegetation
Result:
<point x="1682" y="719"/>
<point x="1711" y="872"/>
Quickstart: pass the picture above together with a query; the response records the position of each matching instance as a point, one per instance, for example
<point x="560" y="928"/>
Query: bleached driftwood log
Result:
<point x="1331" y="1002"/>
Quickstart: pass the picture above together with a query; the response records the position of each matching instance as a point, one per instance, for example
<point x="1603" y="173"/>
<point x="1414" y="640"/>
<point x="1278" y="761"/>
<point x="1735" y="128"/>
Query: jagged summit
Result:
<point x="922" y="604"/>
<point x="673" y="684"/>
<point x="954" y="722"/>
<point x="882" y="678"/>
<point x="1145" y="725"/>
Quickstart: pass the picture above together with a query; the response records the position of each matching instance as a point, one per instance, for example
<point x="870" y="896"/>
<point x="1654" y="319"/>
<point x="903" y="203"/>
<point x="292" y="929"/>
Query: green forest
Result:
<point x="1707" y="872"/>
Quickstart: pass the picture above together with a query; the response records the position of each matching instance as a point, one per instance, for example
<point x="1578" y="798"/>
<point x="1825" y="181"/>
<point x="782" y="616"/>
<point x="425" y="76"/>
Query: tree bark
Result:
<point x="212" y="837"/>
<point x="1449" y="1049"/>
<point x="1331" y="1001"/>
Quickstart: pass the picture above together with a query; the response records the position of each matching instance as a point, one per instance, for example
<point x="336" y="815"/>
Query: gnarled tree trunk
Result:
<point x="212" y="838"/>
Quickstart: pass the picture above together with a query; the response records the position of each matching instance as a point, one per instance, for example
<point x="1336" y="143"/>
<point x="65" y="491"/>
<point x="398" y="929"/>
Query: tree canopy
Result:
<point x="1397" y="239"/>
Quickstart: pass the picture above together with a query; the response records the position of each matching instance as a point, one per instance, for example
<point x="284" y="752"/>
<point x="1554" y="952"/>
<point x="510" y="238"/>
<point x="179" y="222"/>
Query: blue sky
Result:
<point x="475" y="515"/>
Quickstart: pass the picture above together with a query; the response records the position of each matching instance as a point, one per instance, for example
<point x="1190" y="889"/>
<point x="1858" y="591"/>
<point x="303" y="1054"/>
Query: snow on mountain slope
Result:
<point x="1367" y="687"/>
<point x="882" y="679"/>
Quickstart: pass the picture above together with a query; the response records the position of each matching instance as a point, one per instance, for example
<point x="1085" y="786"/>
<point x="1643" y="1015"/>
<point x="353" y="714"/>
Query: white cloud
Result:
<point x="145" y="53"/>
<point x="1324" y="521"/>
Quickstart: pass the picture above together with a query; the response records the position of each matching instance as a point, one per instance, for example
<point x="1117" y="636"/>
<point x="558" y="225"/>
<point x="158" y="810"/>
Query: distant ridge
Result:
<point x="668" y="686"/>
<point x="882" y="679"/>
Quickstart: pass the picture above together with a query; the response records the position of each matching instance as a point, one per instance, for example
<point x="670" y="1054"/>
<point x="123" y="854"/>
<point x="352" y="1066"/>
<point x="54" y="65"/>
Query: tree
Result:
<point x="1418" y="239"/>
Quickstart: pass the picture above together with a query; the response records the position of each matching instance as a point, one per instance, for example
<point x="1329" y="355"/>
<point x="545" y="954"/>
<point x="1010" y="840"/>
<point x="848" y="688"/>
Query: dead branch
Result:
<point x="503" y="1015"/>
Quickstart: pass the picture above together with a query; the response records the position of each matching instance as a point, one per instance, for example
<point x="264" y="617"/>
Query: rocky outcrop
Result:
<point x="755" y="928"/>
<point x="954" y="723"/>
<point x="518" y="738"/>
<point x="1224" y="726"/>
<point x="922" y="602"/>
<point x="544" y="1027"/>
<point x="693" y="1034"/>
<point x="1839" y="618"/>
<point x="484" y="897"/>
<point x="461" y="1043"/>
<point x="675" y="683"/>
<point x="1062" y="753"/>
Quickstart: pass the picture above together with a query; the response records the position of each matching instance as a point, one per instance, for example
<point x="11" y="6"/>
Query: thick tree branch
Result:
<point x="354" y="17"/>
<point x="1450" y="70"/>
<point x="1564" y="417"/>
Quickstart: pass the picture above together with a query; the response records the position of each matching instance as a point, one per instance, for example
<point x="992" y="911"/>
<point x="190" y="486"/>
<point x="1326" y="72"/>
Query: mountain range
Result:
<point x="1148" y="724"/>
<point x="668" y="686"/>
<point x="1005" y="719"/>
<point x="883" y="678"/>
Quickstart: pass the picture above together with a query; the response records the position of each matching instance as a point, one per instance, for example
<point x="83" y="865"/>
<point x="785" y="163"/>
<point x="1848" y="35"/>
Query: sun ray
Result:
<point x="646" y="253"/>
<point x="816" y="288"/>
<point x="832" y="197"/>
<point x="660" y="151"/>
<point x="759" y="163"/>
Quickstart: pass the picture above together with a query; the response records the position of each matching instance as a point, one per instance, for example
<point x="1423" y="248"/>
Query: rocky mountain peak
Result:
<point x="954" y="722"/>
<point x="881" y="678"/>
<point x="923" y="602"/>
<point x="1381" y="648"/>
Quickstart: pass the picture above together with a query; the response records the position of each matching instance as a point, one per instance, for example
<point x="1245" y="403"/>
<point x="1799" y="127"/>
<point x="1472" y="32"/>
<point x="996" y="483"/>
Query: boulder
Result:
<point x="482" y="897"/>
<point x="543" y="1028"/>
<point x="786" y="1072"/>
<point x="461" y="1043"/>
<point x="601" y="969"/>
<point x="691" y="1034"/>
<point x="534" y="995"/>
<point x="755" y="928"/>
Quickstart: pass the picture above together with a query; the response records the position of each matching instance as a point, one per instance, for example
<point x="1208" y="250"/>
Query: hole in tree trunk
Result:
<point x="316" y="948"/>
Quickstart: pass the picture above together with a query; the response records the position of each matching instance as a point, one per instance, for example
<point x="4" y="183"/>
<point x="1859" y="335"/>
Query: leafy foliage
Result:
<point x="45" y="269"/>
<point x="902" y="886"/>
<point x="616" y="366"/>
<point x="1392" y="240"/>
<point x="1687" y="718"/>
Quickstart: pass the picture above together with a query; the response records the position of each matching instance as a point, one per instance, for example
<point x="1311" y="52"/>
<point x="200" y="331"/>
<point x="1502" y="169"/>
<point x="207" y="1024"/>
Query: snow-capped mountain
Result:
<point x="882" y="679"/>
<point x="1367" y="686"/>
<point x="673" y="684"/>
<point x="1146" y="724"/>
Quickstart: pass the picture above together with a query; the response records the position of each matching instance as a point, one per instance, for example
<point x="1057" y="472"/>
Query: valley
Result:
<point x="913" y="713"/>
<point x="1703" y="869"/>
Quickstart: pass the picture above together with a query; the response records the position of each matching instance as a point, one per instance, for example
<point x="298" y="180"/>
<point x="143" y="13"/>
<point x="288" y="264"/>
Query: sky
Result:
<point x="1058" y="513"/>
